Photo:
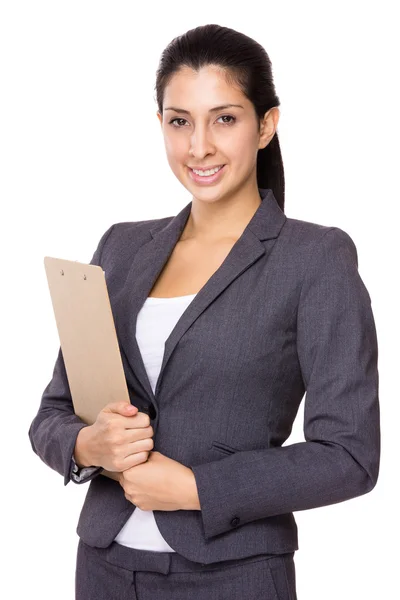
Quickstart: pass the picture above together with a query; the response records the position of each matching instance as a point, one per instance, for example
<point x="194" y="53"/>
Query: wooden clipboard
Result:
<point x="88" y="337"/>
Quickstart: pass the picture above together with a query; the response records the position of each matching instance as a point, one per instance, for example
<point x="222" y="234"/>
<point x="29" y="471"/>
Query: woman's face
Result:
<point x="197" y="136"/>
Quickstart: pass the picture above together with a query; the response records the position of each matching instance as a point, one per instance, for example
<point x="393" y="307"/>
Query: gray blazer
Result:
<point x="286" y="313"/>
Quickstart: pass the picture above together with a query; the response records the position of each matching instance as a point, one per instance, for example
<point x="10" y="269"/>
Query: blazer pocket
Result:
<point x="224" y="448"/>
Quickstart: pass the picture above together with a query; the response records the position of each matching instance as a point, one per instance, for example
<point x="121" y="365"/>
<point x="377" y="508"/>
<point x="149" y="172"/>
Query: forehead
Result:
<point x="188" y="88"/>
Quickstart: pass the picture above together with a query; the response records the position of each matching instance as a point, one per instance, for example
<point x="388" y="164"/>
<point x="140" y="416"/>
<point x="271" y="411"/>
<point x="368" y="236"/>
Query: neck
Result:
<point x="221" y="218"/>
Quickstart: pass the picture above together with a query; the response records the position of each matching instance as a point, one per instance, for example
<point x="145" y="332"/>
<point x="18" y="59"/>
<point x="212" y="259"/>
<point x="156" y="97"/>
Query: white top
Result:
<point x="156" y="319"/>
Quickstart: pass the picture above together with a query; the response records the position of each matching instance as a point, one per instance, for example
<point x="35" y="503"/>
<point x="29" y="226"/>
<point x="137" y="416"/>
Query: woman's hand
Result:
<point x="160" y="483"/>
<point x="120" y="438"/>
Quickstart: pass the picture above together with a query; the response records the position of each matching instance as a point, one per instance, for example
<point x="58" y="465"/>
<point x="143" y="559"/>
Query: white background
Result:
<point x="81" y="148"/>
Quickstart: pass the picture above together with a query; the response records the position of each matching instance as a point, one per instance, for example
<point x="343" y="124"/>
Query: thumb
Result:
<point x="122" y="408"/>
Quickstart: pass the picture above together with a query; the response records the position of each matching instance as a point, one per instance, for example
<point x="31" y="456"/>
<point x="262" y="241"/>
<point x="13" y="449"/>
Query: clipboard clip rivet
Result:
<point x="62" y="272"/>
<point x="84" y="277"/>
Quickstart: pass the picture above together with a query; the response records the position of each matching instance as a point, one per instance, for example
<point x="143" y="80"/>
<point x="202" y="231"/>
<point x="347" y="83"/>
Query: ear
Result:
<point x="268" y="126"/>
<point x="159" y="116"/>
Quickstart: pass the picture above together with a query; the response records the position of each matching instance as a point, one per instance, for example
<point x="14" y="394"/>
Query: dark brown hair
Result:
<point x="246" y="65"/>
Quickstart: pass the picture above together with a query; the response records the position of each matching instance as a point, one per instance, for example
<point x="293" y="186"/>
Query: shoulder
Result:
<point x="132" y="233"/>
<point x="310" y="238"/>
<point x="121" y="240"/>
<point x="141" y="228"/>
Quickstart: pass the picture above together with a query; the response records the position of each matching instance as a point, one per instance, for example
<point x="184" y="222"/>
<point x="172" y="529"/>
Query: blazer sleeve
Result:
<point x="83" y="474"/>
<point x="54" y="429"/>
<point x="338" y="357"/>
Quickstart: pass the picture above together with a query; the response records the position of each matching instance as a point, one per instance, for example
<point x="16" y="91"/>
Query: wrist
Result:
<point x="82" y="454"/>
<point x="192" y="497"/>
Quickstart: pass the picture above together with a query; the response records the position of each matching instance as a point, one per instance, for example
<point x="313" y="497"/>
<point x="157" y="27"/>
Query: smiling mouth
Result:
<point x="205" y="170"/>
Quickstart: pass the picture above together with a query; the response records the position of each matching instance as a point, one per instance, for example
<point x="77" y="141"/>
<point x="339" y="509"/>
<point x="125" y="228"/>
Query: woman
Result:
<point x="225" y="314"/>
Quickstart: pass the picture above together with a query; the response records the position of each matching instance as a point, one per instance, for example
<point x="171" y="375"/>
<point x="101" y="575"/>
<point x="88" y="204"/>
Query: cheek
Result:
<point x="175" y="147"/>
<point x="239" y="147"/>
<point x="244" y="142"/>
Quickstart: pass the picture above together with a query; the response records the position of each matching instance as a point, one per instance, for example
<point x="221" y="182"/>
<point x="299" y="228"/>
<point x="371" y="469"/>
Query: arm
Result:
<point x="83" y="469"/>
<point x="54" y="430"/>
<point x="338" y="354"/>
<point x="83" y="474"/>
<point x="191" y="500"/>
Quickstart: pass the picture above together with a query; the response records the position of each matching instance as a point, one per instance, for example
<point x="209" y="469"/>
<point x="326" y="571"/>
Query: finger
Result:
<point x="122" y="408"/>
<point x="139" y="446"/>
<point x="136" y="434"/>
<point x="138" y="421"/>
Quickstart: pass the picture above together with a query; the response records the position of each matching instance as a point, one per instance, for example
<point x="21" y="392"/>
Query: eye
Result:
<point x="222" y="117"/>
<point x="177" y="119"/>
<point x="228" y="117"/>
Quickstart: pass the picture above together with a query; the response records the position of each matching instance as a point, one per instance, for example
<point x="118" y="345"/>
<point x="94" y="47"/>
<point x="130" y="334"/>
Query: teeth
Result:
<point x="207" y="173"/>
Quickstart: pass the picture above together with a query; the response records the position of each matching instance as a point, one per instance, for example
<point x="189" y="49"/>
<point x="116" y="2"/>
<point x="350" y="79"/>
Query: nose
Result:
<point x="201" y="143"/>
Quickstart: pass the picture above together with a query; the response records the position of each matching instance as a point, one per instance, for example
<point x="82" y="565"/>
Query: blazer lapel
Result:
<point x="149" y="261"/>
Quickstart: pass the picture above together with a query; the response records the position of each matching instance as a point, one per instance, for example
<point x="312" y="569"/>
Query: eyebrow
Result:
<point x="215" y="109"/>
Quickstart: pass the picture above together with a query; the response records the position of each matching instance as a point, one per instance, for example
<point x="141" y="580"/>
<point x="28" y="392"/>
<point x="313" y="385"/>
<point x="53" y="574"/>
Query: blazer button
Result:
<point x="235" y="521"/>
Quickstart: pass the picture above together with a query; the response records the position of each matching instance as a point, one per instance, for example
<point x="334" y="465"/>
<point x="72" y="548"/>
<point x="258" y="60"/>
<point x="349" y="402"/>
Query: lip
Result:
<point x="206" y="179"/>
